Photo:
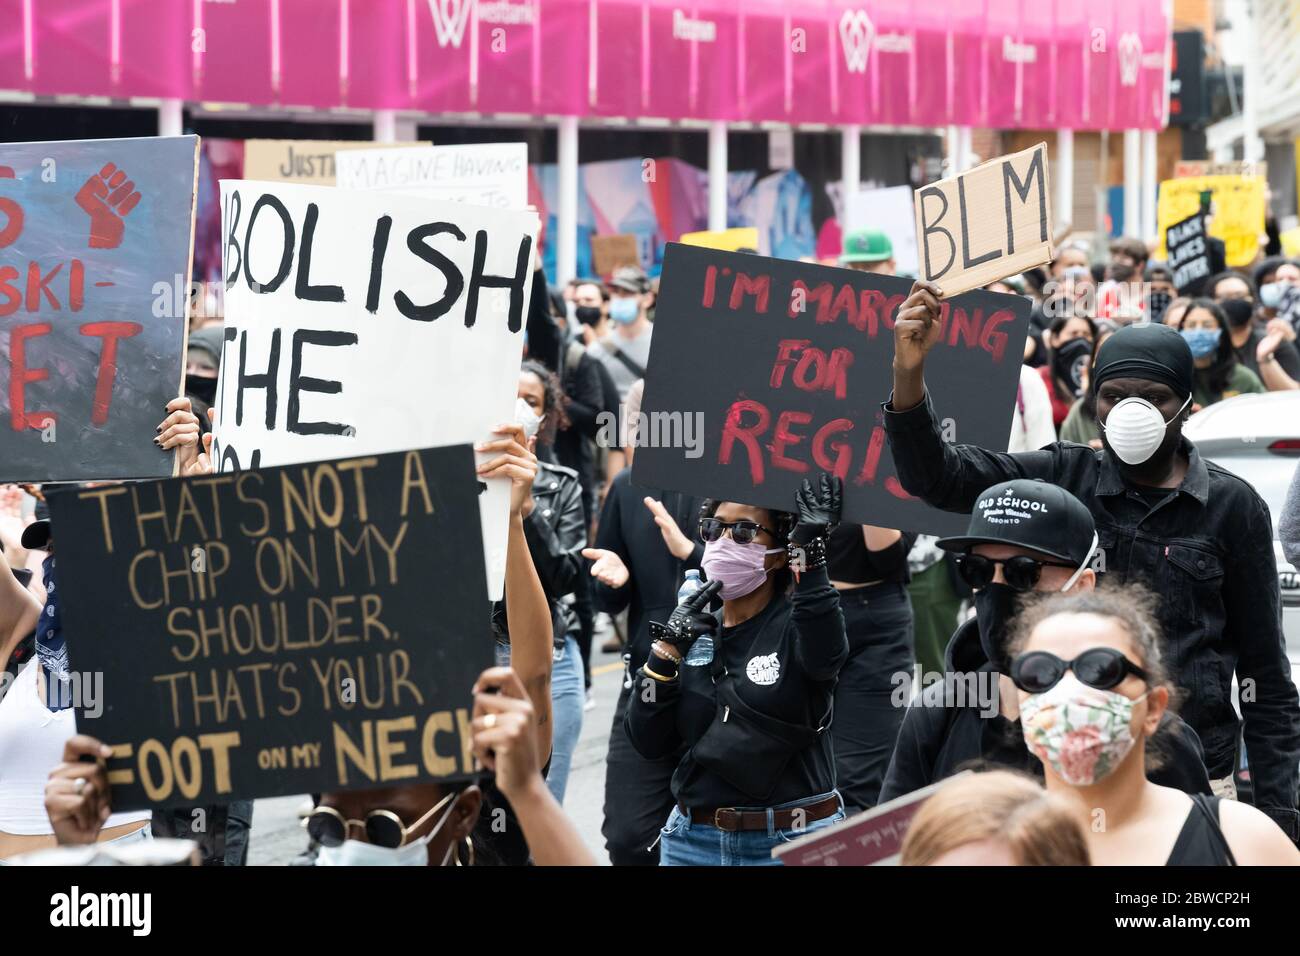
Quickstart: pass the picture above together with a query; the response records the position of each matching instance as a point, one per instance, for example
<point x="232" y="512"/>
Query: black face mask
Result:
<point x="1157" y="301"/>
<point x="1238" y="311"/>
<point x="587" y="314"/>
<point x="1122" y="271"/>
<point x="201" y="387"/>
<point x="995" y="606"/>
<point x="1068" y="363"/>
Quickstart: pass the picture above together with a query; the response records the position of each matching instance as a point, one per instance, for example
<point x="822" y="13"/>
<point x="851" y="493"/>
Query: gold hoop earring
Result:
<point x="469" y="846"/>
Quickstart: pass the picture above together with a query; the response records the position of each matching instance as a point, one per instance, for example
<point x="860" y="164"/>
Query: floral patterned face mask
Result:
<point x="1081" y="732"/>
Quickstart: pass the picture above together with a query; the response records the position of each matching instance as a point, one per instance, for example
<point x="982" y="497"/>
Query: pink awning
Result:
<point x="994" y="63"/>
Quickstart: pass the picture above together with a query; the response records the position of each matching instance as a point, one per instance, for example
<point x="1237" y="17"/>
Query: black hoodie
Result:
<point x="936" y="741"/>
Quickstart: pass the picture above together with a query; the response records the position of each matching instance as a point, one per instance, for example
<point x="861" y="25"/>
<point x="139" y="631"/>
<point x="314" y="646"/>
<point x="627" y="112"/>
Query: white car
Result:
<point x="1257" y="437"/>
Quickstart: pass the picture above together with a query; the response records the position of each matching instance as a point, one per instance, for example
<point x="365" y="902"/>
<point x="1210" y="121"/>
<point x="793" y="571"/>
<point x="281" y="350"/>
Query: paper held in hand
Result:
<point x="988" y="223"/>
<point x="872" y="838"/>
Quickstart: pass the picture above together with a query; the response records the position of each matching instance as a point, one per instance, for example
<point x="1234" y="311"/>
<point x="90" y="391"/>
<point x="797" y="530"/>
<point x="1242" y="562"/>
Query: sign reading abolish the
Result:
<point x="366" y="322"/>
<point x="291" y="630"/>
<point x="789" y="362"/>
<point x="1189" y="256"/>
<point x="990" y="222"/>
<point x="95" y="242"/>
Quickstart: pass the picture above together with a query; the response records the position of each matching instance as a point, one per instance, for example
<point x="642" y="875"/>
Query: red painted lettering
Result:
<point x="13" y="298"/>
<point x="872" y="461"/>
<point x="843" y="453"/>
<point x="785" y="351"/>
<point x="782" y="438"/>
<point x="36" y="285"/>
<point x="758" y="287"/>
<point x="994" y="341"/>
<point x="20" y="375"/>
<point x="733" y="430"/>
<point x="111" y="332"/>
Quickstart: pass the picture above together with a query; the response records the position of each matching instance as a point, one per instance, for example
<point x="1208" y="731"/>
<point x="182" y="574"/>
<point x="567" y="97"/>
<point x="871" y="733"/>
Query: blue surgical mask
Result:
<point x="1270" y="294"/>
<point x="624" y="309"/>
<point x="1202" y="342"/>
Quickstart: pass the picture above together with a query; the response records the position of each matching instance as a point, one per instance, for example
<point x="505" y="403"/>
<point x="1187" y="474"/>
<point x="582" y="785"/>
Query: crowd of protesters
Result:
<point x="1098" y="642"/>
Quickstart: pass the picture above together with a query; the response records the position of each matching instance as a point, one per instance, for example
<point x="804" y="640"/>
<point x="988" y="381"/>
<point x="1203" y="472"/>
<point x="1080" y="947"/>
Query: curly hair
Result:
<point x="783" y="523"/>
<point x="554" y="416"/>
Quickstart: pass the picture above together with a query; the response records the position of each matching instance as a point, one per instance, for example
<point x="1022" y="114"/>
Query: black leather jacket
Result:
<point x="556" y="532"/>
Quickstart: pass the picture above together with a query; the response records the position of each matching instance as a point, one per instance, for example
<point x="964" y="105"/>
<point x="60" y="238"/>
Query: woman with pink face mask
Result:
<point x="1092" y="689"/>
<point x="745" y="694"/>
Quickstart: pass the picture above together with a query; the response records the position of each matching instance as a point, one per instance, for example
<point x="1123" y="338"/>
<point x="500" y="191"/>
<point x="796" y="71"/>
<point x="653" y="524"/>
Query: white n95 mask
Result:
<point x="1135" y="429"/>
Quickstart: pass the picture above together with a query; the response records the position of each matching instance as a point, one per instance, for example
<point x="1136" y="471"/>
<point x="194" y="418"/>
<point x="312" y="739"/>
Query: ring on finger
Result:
<point x="79" y="785"/>
<point x="489" y="721"/>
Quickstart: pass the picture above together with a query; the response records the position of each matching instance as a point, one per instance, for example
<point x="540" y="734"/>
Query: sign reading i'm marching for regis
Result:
<point x="290" y="630"/>
<point x="985" y="224"/>
<point x="95" y="242"/>
<point x="367" y="322"/>
<point x="784" y="366"/>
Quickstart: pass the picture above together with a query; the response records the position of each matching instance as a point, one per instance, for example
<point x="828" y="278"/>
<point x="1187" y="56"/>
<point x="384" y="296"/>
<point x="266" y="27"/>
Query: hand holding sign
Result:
<point x="76" y="794"/>
<point x="516" y="463"/>
<point x="917" y="329"/>
<point x="504" y="722"/>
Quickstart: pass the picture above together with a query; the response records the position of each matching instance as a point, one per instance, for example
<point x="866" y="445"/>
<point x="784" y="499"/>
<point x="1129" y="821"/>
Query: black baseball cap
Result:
<point x="37" y="534"/>
<point x="1029" y="513"/>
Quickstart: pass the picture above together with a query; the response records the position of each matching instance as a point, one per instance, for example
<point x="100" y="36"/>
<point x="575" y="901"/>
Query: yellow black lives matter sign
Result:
<point x="288" y="630"/>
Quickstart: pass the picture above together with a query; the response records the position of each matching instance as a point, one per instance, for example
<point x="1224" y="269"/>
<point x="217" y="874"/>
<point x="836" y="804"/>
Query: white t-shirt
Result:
<point x="31" y="745"/>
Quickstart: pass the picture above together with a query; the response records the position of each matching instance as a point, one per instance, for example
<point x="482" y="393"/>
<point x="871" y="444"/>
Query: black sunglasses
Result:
<point x="742" y="532"/>
<point x="1100" y="667"/>
<point x="1021" y="572"/>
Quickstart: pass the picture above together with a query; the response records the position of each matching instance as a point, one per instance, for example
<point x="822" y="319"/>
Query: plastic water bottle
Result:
<point x="701" y="651"/>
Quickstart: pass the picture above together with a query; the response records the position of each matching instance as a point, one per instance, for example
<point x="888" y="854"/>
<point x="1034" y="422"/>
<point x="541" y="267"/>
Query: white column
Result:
<point x="1149" y="181"/>
<point x="967" y="149"/>
<point x="1252" y="147"/>
<point x="1132" y="182"/>
<point x="1063" y="214"/>
<point x="952" y="144"/>
<point x="566" y="216"/>
<point x="385" y="126"/>
<point x="717" y="175"/>
<point x="851" y="159"/>
<point x="171" y="118"/>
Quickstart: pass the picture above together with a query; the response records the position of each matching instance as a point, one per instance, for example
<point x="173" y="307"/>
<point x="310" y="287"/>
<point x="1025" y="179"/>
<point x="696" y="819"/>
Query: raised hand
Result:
<point x="917" y="327"/>
<point x="817" y="508"/>
<point x="108" y="197"/>
<point x="690" y="620"/>
<point x="76" y="793"/>
<point x="515" y="462"/>
<point x="678" y="544"/>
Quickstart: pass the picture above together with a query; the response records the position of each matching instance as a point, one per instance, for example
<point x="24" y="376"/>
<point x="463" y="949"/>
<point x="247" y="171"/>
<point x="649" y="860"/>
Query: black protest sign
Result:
<point x="291" y="630"/>
<point x="1189" y="254"/>
<point x="765" y="371"/>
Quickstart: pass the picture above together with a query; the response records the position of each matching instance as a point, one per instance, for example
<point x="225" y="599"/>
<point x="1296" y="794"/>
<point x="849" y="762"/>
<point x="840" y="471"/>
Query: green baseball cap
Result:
<point x="866" y="245"/>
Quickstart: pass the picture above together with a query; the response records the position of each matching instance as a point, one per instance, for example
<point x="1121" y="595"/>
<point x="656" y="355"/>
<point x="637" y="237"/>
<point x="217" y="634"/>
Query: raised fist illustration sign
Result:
<point x="108" y="197"/>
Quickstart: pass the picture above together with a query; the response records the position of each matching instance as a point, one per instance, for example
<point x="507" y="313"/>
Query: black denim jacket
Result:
<point x="1206" y="549"/>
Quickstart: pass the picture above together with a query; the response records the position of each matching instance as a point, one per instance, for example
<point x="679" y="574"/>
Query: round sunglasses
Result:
<point x="1021" y="572"/>
<point x="742" y="532"/>
<point x="1100" y="667"/>
<point x="383" y="828"/>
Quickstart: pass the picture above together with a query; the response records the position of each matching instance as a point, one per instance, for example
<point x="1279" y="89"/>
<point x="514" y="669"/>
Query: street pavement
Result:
<point x="277" y="836"/>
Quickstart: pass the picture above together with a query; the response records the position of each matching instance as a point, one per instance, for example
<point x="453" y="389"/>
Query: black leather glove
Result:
<point x="689" y="621"/>
<point x="818" y="509"/>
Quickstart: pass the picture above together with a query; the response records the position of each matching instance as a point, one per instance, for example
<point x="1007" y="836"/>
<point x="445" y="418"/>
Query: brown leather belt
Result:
<point x="732" y="820"/>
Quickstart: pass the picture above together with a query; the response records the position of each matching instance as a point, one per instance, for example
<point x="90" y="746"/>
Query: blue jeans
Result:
<point x="567" y="698"/>
<point x="683" y="843"/>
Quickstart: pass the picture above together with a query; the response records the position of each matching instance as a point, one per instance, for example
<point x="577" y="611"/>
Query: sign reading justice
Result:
<point x="988" y="223"/>
<point x="787" y="365"/>
<point x="290" y="630"/>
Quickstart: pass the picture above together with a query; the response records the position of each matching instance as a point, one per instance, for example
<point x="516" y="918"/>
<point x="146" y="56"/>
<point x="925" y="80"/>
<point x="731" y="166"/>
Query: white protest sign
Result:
<point x="890" y="211"/>
<point x="482" y="174"/>
<point x="367" y="322"/>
